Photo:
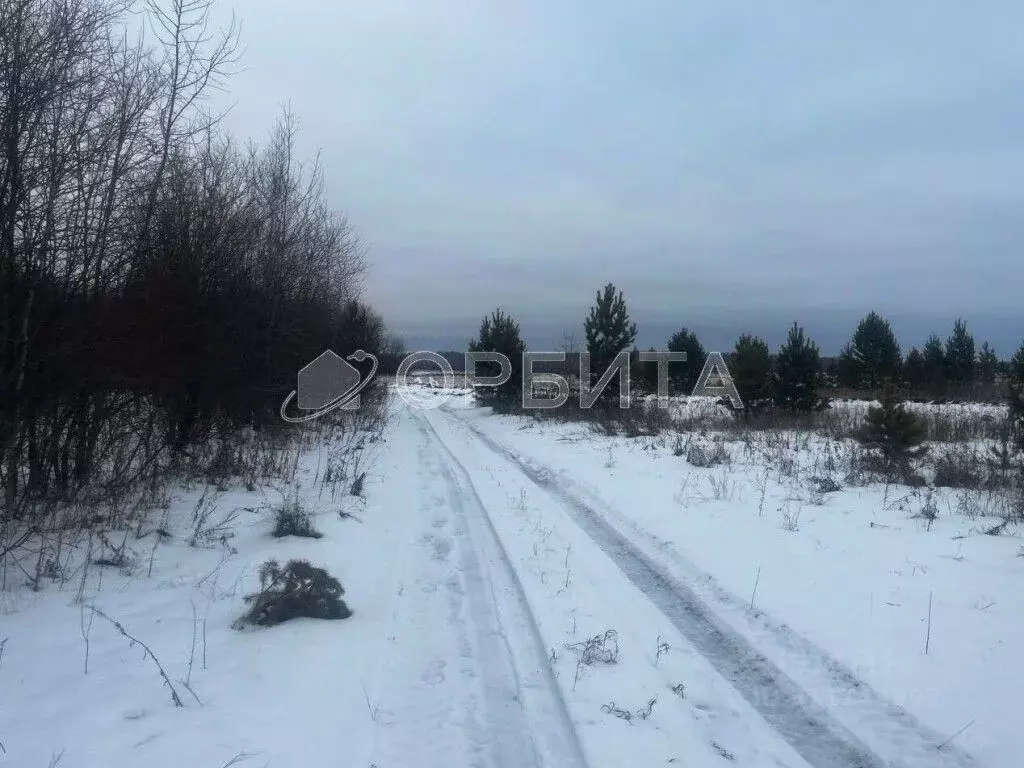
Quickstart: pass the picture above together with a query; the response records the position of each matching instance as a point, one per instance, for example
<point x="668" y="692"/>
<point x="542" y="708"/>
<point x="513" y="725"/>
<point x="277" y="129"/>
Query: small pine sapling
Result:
<point x="896" y="433"/>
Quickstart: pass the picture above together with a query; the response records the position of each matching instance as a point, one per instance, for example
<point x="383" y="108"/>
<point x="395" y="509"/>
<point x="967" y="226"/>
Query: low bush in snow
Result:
<point x="959" y="469"/>
<point x="298" y="590"/>
<point x="823" y="485"/>
<point x="599" y="649"/>
<point x="645" y="419"/>
<point x="702" y="454"/>
<point x="291" y="519"/>
<point x="357" y="485"/>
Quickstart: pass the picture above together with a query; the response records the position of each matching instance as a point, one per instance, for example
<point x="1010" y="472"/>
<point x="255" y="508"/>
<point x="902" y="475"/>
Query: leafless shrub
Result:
<point x="723" y="487"/>
<point x="207" y="531"/>
<point x="997" y="530"/>
<point x="791" y="510"/>
<point x="292" y="519"/>
<point x="663" y="650"/>
<point x="761" y="484"/>
<point x="85" y="627"/>
<point x="357" y="485"/>
<point x="814" y="497"/>
<point x="685" y="495"/>
<point x="239" y="758"/>
<point x="841" y="422"/>
<point x="943" y="422"/>
<point x="13" y="537"/>
<point x="723" y="751"/>
<point x="645" y="419"/>
<point x="610" y="461"/>
<point x="599" y="649"/>
<point x="766" y="420"/>
<point x="351" y="437"/>
<point x="227" y="461"/>
<point x="825" y="485"/>
<point x="857" y="474"/>
<point x="115" y="555"/>
<point x="603" y="420"/>
<point x="700" y="453"/>
<point x="973" y="503"/>
<point x="641" y="713"/>
<point x="787" y="463"/>
<point x="929" y="509"/>
<point x="959" y="467"/>
<point x="957" y="423"/>
<point x="867" y="467"/>
<point x="204" y="508"/>
<point x="133" y="641"/>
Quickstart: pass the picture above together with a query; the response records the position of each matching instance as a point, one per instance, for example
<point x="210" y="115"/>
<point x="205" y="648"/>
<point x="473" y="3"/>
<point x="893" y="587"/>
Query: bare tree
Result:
<point x="196" y="59"/>
<point x="155" y="279"/>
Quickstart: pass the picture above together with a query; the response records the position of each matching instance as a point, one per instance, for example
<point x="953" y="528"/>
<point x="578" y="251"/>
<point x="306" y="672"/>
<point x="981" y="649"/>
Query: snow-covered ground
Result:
<point x="840" y="583"/>
<point x="532" y="594"/>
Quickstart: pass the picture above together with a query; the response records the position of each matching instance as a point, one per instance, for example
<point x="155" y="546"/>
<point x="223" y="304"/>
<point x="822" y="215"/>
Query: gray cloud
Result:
<point x="789" y="157"/>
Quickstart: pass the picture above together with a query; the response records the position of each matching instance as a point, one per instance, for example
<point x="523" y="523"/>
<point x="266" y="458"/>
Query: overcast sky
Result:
<point x="762" y="161"/>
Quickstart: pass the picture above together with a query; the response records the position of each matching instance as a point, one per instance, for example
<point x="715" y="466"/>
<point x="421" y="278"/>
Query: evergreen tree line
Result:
<point x="955" y="367"/>
<point x="793" y="379"/>
<point x="157" y="280"/>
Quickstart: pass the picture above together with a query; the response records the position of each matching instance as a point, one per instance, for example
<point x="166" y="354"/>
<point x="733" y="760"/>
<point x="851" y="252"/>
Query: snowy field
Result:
<point x="831" y="586"/>
<point x="532" y="593"/>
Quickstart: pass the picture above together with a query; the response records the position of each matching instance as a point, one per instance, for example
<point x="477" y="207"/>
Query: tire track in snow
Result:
<point x="423" y="713"/>
<point x="530" y="727"/>
<point x="805" y="725"/>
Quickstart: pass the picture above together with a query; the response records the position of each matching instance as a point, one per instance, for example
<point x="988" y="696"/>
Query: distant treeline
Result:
<point x="794" y="377"/>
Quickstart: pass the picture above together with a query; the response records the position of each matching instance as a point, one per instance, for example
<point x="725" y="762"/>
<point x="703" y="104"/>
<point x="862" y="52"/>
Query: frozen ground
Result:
<point x="531" y="594"/>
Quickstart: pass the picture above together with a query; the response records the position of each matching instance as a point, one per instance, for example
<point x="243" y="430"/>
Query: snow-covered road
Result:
<point x="464" y="677"/>
<point x="821" y="729"/>
<point x="545" y="590"/>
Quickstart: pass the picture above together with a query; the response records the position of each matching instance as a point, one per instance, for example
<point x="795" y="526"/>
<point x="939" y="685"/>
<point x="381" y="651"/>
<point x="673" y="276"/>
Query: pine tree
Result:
<point x="685" y="375"/>
<point x="643" y="375"/>
<point x="609" y="331"/>
<point x="873" y="355"/>
<point x="751" y="367"/>
<point x="959" y="356"/>
<point x="895" y="432"/>
<point x="500" y="333"/>
<point x="830" y="377"/>
<point x="798" y="373"/>
<point x="988" y="365"/>
<point x="915" y="372"/>
<point x="935" y="365"/>
<point x="1016" y="404"/>
<point x="1006" y="454"/>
